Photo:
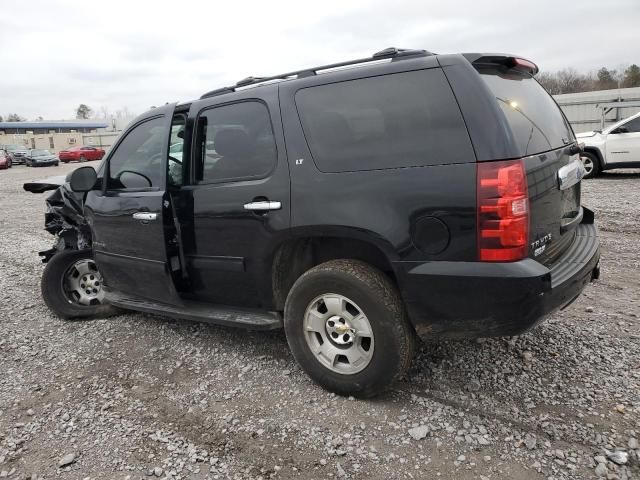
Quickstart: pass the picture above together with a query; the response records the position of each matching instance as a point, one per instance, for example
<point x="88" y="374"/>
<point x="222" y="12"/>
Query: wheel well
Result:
<point x="295" y="257"/>
<point x="597" y="153"/>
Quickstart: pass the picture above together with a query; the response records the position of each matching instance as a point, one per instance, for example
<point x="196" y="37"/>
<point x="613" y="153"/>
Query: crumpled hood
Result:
<point x="64" y="215"/>
<point x="51" y="183"/>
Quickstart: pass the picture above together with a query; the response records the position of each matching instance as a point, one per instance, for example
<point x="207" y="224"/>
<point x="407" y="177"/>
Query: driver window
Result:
<point x="137" y="161"/>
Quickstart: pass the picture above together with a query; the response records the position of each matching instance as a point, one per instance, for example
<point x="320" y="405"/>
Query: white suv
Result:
<point x="617" y="146"/>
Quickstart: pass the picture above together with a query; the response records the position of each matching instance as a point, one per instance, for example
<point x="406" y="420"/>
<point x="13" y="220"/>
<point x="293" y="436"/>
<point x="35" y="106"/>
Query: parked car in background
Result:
<point x="40" y="158"/>
<point x="81" y="154"/>
<point x="17" y="153"/>
<point x="5" y="161"/>
<point x="617" y="146"/>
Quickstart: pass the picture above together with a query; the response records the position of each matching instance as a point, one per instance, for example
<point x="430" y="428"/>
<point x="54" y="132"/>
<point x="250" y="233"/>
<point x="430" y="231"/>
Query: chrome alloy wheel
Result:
<point x="82" y="283"/>
<point x="588" y="164"/>
<point x="339" y="334"/>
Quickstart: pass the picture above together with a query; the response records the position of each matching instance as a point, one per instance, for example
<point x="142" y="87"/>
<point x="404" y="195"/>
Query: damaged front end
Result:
<point x="64" y="216"/>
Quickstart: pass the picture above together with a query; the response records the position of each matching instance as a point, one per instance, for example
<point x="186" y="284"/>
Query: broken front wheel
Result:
<point x="72" y="286"/>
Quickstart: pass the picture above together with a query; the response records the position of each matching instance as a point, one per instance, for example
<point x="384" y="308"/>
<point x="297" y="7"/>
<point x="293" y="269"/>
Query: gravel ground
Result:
<point x="137" y="396"/>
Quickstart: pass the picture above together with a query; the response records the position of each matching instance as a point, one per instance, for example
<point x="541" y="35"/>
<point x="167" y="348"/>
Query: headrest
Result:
<point x="233" y="142"/>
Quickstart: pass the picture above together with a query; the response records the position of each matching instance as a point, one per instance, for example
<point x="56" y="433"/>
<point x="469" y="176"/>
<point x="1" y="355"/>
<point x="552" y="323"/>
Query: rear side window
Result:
<point x="407" y="119"/>
<point x="536" y="122"/>
<point x="632" y="126"/>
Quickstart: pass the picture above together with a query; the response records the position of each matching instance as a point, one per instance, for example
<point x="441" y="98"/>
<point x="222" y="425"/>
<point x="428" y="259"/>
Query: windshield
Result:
<point x="11" y="148"/>
<point x="537" y="123"/>
<point x="40" y="153"/>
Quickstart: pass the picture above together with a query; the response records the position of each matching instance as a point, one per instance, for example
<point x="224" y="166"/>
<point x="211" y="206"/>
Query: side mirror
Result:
<point x="82" y="179"/>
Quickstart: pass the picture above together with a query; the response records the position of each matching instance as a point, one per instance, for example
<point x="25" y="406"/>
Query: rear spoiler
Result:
<point x="506" y="60"/>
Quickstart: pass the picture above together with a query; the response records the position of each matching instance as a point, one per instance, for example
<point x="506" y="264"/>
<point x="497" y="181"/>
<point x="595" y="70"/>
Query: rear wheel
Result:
<point x="591" y="164"/>
<point x="347" y="328"/>
<point x="72" y="286"/>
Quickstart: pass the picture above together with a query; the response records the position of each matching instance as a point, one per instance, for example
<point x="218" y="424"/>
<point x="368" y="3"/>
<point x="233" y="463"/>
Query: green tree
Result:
<point x="14" y="117"/>
<point x="631" y="76"/>
<point x="83" y="111"/>
<point x="606" y="79"/>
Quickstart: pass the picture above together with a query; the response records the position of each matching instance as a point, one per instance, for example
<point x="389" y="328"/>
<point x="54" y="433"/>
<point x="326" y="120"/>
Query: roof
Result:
<point x="388" y="54"/>
<point x="51" y="125"/>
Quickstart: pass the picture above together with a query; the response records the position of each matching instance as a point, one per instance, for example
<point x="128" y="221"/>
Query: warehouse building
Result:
<point x="53" y="135"/>
<point x="590" y="110"/>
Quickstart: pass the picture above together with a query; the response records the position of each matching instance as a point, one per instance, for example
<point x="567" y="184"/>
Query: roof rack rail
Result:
<point x="388" y="53"/>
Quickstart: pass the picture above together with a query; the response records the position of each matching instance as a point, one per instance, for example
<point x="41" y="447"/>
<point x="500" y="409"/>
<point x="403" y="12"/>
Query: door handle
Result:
<point x="262" y="206"/>
<point x="145" y="216"/>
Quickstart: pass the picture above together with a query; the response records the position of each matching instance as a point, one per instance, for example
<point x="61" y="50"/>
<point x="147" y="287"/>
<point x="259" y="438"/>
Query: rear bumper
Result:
<point x="475" y="299"/>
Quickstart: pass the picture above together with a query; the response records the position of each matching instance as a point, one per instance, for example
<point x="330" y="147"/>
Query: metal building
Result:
<point x="587" y="110"/>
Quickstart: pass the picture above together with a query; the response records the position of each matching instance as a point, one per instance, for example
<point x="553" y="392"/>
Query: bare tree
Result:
<point x="570" y="81"/>
<point x="104" y="112"/>
<point x="549" y="82"/>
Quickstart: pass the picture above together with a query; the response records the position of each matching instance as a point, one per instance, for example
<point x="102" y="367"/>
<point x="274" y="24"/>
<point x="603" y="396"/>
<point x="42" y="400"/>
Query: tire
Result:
<point x="591" y="164"/>
<point x="365" y="292"/>
<point x="57" y="286"/>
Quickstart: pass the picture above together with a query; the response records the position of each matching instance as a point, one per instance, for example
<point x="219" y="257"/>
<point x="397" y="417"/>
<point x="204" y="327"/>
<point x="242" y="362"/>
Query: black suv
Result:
<point x="356" y="204"/>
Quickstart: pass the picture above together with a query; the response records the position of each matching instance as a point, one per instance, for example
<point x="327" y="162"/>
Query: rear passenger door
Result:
<point x="239" y="197"/>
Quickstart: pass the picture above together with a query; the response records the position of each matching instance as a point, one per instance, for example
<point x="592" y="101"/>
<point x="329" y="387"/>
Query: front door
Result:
<point x="128" y="217"/>
<point x="624" y="146"/>
<point x="237" y="203"/>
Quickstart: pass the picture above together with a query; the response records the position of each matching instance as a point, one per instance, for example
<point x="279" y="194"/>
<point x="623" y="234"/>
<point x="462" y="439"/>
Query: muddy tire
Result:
<point x="347" y="328"/>
<point x="72" y="286"/>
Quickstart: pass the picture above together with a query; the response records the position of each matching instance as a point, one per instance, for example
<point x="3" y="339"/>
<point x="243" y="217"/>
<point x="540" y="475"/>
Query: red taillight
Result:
<point x="503" y="211"/>
<point x="525" y="65"/>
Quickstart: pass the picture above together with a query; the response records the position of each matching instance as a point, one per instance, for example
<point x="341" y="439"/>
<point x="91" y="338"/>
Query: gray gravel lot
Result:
<point x="136" y="396"/>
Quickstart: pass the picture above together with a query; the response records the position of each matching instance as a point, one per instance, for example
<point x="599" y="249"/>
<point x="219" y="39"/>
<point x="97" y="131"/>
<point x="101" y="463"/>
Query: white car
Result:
<point x="617" y="146"/>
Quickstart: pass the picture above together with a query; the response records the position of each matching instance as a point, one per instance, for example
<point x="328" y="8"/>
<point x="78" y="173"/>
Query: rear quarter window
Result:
<point x="408" y="119"/>
<point x="536" y="122"/>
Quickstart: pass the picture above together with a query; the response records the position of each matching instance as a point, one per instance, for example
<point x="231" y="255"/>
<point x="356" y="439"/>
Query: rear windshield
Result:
<point x="536" y="122"/>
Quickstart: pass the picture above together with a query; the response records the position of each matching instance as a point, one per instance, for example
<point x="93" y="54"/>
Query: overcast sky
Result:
<point x="55" y="55"/>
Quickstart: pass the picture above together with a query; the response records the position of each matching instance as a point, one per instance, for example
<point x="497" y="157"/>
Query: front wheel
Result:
<point x="347" y="328"/>
<point x="591" y="164"/>
<point x="72" y="286"/>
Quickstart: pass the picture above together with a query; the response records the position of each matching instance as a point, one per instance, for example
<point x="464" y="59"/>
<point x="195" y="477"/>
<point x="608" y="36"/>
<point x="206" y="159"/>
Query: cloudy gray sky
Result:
<point x="114" y="54"/>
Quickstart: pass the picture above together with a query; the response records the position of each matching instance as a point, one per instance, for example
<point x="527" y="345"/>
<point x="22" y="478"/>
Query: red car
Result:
<point x="5" y="161"/>
<point x="81" y="154"/>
